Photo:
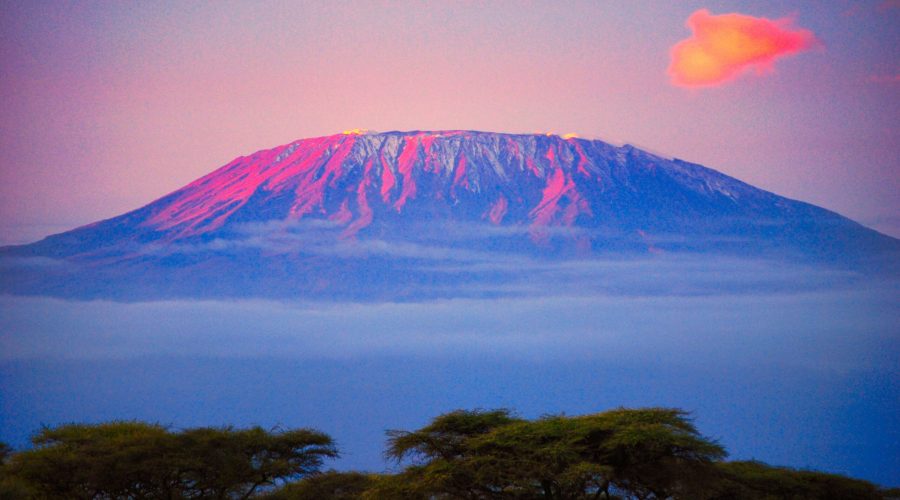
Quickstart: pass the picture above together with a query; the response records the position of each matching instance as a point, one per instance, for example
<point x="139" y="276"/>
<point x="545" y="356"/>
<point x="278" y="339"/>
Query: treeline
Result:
<point x="652" y="453"/>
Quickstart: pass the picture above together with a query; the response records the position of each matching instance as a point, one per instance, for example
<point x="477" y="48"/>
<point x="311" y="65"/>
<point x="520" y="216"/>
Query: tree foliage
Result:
<point x="645" y="454"/>
<point x="331" y="485"/>
<point x="755" y="480"/>
<point x="649" y="453"/>
<point x="144" y="461"/>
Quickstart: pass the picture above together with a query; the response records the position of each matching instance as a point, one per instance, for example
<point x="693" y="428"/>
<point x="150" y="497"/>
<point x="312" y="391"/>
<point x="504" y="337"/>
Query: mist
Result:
<point x="804" y="378"/>
<point x="824" y="330"/>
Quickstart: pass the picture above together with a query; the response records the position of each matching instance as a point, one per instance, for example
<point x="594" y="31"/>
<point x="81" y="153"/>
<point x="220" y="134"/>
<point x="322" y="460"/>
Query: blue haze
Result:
<point x="806" y="379"/>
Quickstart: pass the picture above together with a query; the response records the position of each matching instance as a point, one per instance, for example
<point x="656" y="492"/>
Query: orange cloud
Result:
<point x="722" y="47"/>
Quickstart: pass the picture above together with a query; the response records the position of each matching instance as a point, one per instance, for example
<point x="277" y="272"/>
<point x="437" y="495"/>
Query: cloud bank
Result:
<point x="834" y="330"/>
<point x="791" y="377"/>
<point x="723" y="47"/>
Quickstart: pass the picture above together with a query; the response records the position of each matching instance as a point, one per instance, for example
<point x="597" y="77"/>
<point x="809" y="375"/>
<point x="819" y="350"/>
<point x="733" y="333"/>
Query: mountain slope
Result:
<point x="344" y="208"/>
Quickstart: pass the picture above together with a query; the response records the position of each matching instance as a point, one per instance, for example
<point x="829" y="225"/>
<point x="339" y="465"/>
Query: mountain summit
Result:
<point x="322" y="210"/>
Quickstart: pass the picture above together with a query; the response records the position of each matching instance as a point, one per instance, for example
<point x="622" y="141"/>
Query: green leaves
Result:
<point x="755" y="480"/>
<point x="447" y="436"/>
<point x="646" y="454"/>
<point x="488" y="454"/>
<point x="139" y="460"/>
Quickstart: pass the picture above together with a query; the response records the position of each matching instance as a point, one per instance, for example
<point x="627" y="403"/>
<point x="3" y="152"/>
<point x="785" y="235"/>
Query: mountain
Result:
<point x="402" y="214"/>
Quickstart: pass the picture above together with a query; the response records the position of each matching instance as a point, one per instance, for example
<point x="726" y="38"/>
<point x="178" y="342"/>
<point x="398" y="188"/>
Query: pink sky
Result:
<point x="108" y="106"/>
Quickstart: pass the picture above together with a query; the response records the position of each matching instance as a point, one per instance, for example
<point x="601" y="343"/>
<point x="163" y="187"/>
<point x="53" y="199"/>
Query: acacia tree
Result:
<point x="649" y="453"/>
<point x="645" y="454"/>
<point x="139" y="460"/>
<point x="653" y="453"/>
<point x="442" y="458"/>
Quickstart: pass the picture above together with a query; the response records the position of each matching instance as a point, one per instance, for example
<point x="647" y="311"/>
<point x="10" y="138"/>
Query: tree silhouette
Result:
<point x="139" y="460"/>
<point x="648" y="453"/>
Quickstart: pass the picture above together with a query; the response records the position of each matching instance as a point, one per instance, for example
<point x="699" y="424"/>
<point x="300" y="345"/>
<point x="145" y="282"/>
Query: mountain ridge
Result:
<point x="544" y="196"/>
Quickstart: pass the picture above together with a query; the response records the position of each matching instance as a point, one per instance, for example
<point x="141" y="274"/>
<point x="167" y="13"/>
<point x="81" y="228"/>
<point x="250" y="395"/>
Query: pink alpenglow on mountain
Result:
<point x="344" y="175"/>
<point x="414" y="214"/>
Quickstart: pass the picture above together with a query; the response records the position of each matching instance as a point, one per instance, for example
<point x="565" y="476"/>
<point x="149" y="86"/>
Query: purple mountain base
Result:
<point x="407" y="215"/>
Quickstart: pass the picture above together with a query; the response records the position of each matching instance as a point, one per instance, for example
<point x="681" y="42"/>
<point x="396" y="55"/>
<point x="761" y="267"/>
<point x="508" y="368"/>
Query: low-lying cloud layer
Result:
<point x="723" y="47"/>
<point x="802" y="378"/>
<point x="831" y="329"/>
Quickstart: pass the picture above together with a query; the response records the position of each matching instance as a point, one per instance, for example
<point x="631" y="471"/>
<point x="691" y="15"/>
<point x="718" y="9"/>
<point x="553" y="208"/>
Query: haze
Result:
<point x="784" y="364"/>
